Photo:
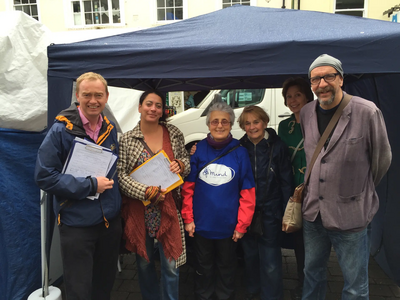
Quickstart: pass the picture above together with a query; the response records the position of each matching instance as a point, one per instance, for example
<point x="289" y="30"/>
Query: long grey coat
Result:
<point x="342" y="182"/>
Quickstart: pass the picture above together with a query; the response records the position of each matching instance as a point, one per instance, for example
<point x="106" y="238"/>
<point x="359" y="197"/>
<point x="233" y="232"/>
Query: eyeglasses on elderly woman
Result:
<point x="224" y="122"/>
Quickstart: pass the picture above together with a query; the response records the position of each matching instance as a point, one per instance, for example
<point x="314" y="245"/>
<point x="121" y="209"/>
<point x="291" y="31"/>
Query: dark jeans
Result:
<point x="300" y="254"/>
<point x="216" y="268"/>
<point x="263" y="267"/>
<point x="295" y="241"/>
<point x="89" y="256"/>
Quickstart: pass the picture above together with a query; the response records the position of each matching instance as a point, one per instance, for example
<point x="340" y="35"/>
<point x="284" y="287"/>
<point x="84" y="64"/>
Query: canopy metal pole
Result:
<point x="43" y="219"/>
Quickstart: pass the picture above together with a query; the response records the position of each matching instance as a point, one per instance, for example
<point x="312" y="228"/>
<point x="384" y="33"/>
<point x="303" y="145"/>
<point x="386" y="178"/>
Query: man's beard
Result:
<point x="330" y="100"/>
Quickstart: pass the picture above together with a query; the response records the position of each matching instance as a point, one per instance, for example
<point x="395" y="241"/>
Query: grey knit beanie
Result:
<point x="326" y="60"/>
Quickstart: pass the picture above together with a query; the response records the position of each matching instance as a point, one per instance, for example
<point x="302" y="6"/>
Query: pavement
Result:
<point x="381" y="287"/>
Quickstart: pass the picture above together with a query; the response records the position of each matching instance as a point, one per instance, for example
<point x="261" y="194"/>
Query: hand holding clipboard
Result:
<point x="156" y="172"/>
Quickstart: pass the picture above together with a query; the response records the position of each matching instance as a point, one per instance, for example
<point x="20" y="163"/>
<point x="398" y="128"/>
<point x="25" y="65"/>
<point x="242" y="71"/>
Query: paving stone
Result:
<point x="116" y="295"/>
<point x="332" y="264"/>
<point x="335" y="278"/>
<point x="126" y="274"/>
<point x="396" y="290"/>
<point x="335" y="287"/>
<point x="291" y="260"/>
<point x="333" y="296"/>
<point x="288" y="252"/>
<point x="292" y="269"/>
<point x="333" y="258"/>
<point x="129" y="285"/>
<point x="128" y="259"/>
<point x="290" y="284"/>
<point x="126" y="286"/>
<point x="129" y="267"/>
<point x="380" y="290"/>
<point x="287" y="295"/>
<point x="377" y="271"/>
<point x="335" y="271"/>
<point x="135" y="296"/>
<point x="383" y="281"/>
<point x="117" y="284"/>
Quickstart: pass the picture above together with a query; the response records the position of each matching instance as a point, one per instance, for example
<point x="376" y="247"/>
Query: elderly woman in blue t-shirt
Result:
<point x="218" y="204"/>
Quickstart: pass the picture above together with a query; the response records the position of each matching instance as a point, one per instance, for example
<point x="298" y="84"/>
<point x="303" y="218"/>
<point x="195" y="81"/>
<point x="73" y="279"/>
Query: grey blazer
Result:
<point x="342" y="182"/>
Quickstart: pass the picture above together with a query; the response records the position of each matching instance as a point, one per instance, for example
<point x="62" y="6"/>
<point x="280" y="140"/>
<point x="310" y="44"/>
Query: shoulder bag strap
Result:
<point x="218" y="157"/>
<point x="146" y="147"/>
<point x="295" y="150"/>
<point x="327" y="132"/>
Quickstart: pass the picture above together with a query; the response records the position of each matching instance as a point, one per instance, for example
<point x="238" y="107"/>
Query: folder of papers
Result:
<point x="89" y="159"/>
<point x="155" y="172"/>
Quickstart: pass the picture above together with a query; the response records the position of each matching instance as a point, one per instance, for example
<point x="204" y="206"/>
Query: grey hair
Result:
<point x="223" y="107"/>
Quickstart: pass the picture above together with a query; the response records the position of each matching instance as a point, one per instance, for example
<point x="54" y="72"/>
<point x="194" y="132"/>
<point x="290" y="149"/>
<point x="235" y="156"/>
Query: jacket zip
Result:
<point x="255" y="168"/>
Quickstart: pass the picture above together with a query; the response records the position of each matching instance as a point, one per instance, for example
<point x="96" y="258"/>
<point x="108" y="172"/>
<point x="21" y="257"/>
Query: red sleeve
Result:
<point x="187" y="202"/>
<point x="247" y="204"/>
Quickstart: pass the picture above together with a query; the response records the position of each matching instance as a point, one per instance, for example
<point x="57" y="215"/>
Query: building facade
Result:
<point x="69" y="15"/>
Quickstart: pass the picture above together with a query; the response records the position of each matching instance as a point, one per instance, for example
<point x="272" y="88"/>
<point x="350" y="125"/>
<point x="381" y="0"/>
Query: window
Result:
<point x="242" y="97"/>
<point x="30" y="7"/>
<point x="350" y="7"/>
<point x="96" y="12"/>
<point x="228" y="3"/>
<point x="168" y="10"/>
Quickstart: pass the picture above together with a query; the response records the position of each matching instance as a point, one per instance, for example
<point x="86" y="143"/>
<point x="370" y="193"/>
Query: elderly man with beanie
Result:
<point x="340" y="198"/>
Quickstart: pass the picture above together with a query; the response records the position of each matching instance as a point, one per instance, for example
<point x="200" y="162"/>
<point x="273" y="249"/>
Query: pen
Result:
<point x="115" y="172"/>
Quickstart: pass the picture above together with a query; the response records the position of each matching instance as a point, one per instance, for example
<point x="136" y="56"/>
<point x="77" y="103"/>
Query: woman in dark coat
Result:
<point x="274" y="183"/>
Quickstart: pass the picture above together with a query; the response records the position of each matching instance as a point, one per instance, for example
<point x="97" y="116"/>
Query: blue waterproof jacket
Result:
<point x="70" y="203"/>
<point x="274" y="189"/>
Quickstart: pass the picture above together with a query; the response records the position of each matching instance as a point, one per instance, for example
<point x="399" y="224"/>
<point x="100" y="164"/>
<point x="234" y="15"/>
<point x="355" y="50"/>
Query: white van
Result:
<point x="192" y="122"/>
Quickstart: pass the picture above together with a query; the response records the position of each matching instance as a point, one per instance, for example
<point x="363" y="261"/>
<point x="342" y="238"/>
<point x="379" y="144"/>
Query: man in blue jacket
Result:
<point x="90" y="230"/>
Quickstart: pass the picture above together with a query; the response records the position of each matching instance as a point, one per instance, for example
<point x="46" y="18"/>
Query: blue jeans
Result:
<point x="263" y="267"/>
<point x="352" y="250"/>
<point x="148" y="279"/>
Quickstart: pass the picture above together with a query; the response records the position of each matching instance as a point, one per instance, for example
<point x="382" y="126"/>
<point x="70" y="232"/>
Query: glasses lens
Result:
<point x="329" y="77"/>
<point x="315" y="80"/>
<point x="214" y="122"/>
<point x="225" y="122"/>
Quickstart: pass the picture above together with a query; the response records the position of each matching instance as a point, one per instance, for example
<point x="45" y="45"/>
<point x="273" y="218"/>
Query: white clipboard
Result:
<point x="88" y="159"/>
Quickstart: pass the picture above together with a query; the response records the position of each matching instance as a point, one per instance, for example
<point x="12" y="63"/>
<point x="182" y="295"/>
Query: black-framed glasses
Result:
<point x="328" y="78"/>
<point x="224" y="122"/>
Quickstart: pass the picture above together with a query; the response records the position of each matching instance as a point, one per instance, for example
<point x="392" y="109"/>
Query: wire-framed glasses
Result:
<point x="224" y="122"/>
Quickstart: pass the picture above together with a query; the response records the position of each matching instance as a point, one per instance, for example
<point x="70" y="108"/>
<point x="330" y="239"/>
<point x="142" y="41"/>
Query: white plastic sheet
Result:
<point x="23" y="72"/>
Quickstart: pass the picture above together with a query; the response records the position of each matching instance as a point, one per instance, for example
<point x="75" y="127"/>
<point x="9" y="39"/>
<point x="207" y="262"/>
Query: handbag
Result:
<point x="293" y="218"/>
<point x="256" y="226"/>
